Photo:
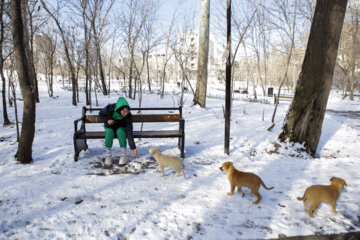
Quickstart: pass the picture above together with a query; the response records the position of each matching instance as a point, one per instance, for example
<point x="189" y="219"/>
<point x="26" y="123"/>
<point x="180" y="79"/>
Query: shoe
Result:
<point x="108" y="160"/>
<point x="123" y="159"/>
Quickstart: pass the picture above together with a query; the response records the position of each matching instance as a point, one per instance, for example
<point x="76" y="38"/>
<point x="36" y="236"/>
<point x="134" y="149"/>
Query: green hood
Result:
<point x="120" y="102"/>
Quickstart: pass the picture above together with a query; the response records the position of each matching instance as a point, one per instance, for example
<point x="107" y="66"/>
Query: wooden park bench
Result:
<point x="90" y="117"/>
<point x="278" y="98"/>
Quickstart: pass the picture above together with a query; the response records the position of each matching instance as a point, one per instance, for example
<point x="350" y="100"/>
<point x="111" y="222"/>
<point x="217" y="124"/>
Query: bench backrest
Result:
<point x="138" y="117"/>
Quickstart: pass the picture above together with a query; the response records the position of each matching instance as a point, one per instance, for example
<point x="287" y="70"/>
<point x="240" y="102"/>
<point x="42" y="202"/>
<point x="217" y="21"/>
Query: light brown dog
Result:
<point x="243" y="179"/>
<point x="167" y="161"/>
<point x="322" y="193"/>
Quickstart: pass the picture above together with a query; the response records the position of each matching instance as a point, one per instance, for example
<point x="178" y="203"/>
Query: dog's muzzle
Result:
<point x="221" y="169"/>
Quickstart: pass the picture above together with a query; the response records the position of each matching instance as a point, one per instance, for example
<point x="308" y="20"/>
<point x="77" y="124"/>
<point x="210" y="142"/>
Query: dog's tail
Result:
<point x="301" y="198"/>
<point x="263" y="184"/>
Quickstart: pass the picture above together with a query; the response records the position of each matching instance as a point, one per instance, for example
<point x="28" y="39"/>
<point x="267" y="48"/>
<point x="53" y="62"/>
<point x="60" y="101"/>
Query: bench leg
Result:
<point x="79" y="145"/>
<point x="181" y="145"/>
<point x="76" y="156"/>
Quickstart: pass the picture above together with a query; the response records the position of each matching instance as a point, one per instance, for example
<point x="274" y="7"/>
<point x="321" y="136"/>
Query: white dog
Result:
<point x="167" y="161"/>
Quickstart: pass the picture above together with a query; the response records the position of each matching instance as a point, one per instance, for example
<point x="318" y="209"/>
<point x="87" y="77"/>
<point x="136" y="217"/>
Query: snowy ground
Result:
<point x="57" y="198"/>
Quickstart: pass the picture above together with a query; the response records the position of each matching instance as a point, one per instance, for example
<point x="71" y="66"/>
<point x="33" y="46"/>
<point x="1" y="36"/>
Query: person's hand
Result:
<point x="134" y="152"/>
<point x="110" y="122"/>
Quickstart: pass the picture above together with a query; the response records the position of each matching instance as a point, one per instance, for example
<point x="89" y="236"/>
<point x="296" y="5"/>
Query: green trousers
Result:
<point x="110" y="134"/>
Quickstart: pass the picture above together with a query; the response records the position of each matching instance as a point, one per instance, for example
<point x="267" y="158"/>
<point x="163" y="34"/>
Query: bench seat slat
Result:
<point x="136" y="134"/>
<point x="140" y="118"/>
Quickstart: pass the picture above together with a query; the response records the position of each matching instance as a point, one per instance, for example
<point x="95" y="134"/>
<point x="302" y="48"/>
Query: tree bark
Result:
<point x="354" y="38"/>
<point x="84" y="4"/>
<point x="305" y="117"/>
<point x="24" y="153"/>
<point x="201" y="82"/>
<point x="2" y="60"/>
<point x="148" y="71"/>
<point x="29" y="41"/>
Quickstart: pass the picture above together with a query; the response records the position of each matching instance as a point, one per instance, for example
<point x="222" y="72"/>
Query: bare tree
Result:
<point x="354" y="11"/>
<point x="98" y="18"/>
<point x="242" y="23"/>
<point x="166" y="57"/>
<point x="29" y="10"/>
<point x="307" y="8"/>
<point x="286" y="24"/>
<point x="2" y="60"/>
<point x="133" y="20"/>
<point x="10" y="66"/>
<point x="87" y="38"/>
<point x="201" y="83"/>
<point x="152" y="39"/>
<point x="69" y="60"/>
<point x="182" y="49"/>
<point x="259" y="47"/>
<point x="250" y="72"/>
<point x="303" y="122"/>
<point x="46" y="53"/>
<point x="24" y="153"/>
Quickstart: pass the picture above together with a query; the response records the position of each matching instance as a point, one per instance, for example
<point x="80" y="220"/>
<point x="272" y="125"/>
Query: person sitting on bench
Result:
<point x="118" y="119"/>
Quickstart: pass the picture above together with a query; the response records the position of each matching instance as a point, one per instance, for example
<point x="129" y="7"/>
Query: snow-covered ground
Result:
<point x="57" y="198"/>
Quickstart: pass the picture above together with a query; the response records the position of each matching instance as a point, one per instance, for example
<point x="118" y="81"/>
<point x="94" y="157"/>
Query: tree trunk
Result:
<point x="201" y="82"/>
<point x="13" y="91"/>
<point x="24" y="153"/>
<point x="354" y="36"/>
<point x="163" y="78"/>
<point x="148" y="71"/>
<point x="98" y="54"/>
<point x="305" y="117"/>
<point x="2" y="60"/>
<point x="29" y="41"/>
<point x="86" y="48"/>
<point x="130" y="77"/>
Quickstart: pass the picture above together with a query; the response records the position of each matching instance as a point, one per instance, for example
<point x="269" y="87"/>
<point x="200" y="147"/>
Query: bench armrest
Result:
<point x="76" y="124"/>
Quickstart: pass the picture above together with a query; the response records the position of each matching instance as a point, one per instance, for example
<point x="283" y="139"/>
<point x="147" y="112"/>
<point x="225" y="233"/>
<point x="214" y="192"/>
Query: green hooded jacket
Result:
<point x="109" y="112"/>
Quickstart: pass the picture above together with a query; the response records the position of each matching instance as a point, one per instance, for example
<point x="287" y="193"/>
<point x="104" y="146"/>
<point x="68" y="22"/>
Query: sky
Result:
<point x="169" y="6"/>
<point x="57" y="198"/>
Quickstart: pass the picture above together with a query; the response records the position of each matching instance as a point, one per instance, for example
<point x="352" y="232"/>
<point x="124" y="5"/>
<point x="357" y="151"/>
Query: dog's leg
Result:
<point x="333" y="207"/>
<point x="162" y="170"/>
<point x="313" y="205"/>
<point x="232" y="189"/>
<point x="306" y="204"/>
<point x="259" y="197"/>
<point x="316" y="208"/>
<point x="183" y="172"/>
<point x="240" y="191"/>
<point x="177" y="170"/>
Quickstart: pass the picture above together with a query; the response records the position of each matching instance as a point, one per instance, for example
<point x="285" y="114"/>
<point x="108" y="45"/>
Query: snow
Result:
<point x="57" y="198"/>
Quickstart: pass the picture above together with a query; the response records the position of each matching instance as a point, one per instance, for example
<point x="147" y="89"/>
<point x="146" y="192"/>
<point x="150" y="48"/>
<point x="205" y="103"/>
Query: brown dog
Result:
<point x="322" y="193"/>
<point x="243" y="179"/>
